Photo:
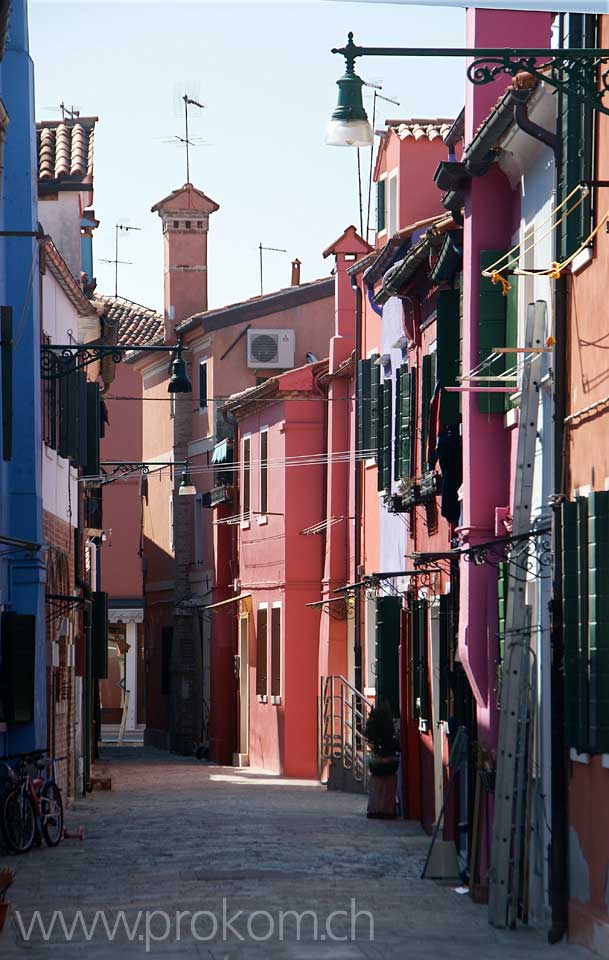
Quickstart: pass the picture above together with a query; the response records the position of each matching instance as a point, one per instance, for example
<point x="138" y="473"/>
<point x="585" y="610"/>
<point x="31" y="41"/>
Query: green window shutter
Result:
<point x="578" y="145"/>
<point x="388" y="615"/>
<point x="363" y="405"/>
<point x="422" y="671"/>
<point x="380" y="205"/>
<point x="91" y="464"/>
<point x="397" y="424"/>
<point x="384" y="436"/>
<point x="427" y="389"/>
<point x="411" y="462"/>
<point x="99" y="635"/>
<point x="571" y="617"/>
<point x="598" y="620"/>
<point x="491" y="330"/>
<point x="502" y="586"/>
<point x="445" y="654"/>
<point x="375" y="378"/>
<point x="583" y="684"/>
<point x="448" y="351"/>
<point x="403" y="426"/>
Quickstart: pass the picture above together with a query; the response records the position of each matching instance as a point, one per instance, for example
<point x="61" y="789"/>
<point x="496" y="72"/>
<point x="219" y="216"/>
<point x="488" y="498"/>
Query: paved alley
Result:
<point x="242" y="848"/>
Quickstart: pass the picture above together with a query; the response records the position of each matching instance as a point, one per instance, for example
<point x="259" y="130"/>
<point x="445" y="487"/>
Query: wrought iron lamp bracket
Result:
<point x="577" y="72"/>
<point x="61" y="360"/>
<point x="528" y="556"/>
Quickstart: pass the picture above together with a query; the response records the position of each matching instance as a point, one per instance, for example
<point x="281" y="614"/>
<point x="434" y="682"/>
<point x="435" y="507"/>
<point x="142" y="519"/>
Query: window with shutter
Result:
<point x="598" y="620"/>
<point x="203" y="404"/>
<point x="574" y="576"/>
<point x="276" y="651"/>
<point x="261" y="651"/>
<point x="403" y="425"/>
<point x="91" y="464"/>
<point x="380" y="205"/>
<point x="427" y="390"/>
<point x="384" y="435"/>
<point x="446" y="643"/>
<point x="264" y="471"/>
<point x="448" y="351"/>
<point x="246" y="479"/>
<point x="388" y="616"/>
<point x="419" y="670"/>
<point x="491" y="331"/>
<point x="410" y="465"/>
<point x="397" y="424"/>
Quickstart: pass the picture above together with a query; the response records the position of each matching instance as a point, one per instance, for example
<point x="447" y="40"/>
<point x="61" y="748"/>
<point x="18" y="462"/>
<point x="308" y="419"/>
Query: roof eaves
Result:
<point x="60" y="270"/>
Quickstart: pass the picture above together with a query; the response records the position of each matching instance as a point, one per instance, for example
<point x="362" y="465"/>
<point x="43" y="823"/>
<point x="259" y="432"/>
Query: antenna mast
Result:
<point x="116" y="261"/>
<point x="195" y="103"/>
<point x="275" y="250"/>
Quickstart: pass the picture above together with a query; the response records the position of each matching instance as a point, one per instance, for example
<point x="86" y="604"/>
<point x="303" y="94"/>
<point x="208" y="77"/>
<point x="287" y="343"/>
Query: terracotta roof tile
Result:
<point x="65" y="150"/>
<point x="136" y="324"/>
<point x="419" y="129"/>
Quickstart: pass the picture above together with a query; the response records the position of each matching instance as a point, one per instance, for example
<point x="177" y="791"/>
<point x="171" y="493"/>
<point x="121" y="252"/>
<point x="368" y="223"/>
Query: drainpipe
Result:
<point x="559" y="816"/>
<point x="358" y="497"/>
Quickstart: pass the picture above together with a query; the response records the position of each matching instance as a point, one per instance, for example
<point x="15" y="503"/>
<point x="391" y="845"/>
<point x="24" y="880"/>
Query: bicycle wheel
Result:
<point x="19" y="821"/>
<point x="51" y="813"/>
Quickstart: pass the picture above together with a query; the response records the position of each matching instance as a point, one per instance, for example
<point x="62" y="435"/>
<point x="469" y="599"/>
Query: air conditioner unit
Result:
<point x="270" y="349"/>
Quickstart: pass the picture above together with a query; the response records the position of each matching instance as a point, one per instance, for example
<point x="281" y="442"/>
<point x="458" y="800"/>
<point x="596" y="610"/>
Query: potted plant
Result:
<point x="384" y="744"/>
<point x="6" y="878"/>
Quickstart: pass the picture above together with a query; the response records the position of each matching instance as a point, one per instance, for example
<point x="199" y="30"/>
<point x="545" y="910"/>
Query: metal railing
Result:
<point x="343" y="712"/>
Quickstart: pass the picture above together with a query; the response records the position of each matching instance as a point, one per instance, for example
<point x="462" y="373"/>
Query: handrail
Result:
<point x="358" y="693"/>
<point x="343" y="712"/>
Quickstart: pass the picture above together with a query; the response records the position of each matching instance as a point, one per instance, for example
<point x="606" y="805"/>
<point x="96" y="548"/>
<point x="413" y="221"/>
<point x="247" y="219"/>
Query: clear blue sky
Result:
<point x="268" y="78"/>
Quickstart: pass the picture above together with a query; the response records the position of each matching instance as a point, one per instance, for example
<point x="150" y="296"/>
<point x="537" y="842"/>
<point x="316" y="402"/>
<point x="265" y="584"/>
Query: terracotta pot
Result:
<point x="382" y="790"/>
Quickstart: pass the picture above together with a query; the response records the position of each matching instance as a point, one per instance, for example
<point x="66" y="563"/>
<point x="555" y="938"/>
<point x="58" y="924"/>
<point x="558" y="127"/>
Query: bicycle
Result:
<point x="33" y="808"/>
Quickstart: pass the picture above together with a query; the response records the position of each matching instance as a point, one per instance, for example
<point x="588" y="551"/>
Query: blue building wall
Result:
<point x="22" y="572"/>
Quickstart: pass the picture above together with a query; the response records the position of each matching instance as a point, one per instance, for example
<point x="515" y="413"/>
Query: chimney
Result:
<point x="185" y="218"/>
<point x="295" y="273"/>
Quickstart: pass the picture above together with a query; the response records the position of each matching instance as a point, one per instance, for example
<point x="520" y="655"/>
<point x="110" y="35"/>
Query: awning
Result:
<point x="223" y="603"/>
<point x="220" y="454"/>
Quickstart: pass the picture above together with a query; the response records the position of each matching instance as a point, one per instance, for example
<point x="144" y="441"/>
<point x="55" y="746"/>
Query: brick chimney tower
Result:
<point x="185" y="217"/>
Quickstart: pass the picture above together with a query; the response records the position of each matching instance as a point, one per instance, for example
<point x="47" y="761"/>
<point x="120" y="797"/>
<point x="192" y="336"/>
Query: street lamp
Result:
<point x="186" y="488"/>
<point x="59" y="360"/>
<point x="349" y="125"/>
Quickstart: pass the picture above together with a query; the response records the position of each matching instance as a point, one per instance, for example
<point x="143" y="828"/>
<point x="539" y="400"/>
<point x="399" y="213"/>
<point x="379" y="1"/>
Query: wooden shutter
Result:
<point x="411" y="466"/>
<point x="420" y="671"/>
<point x="99" y="635"/>
<point x="375" y="379"/>
<point x="81" y="416"/>
<point x="598" y="620"/>
<point x="276" y="652"/>
<point x="264" y="471"/>
<point x="388" y="616"/>
<point x="261" y="651"/>
<point x="6" y="341"/>
<point x="364" y="412"/>
<point x="502" y="586"/>
<point x="246" y="493"/>
<point x="380" y="205"/>
<point x="427" y="389"/>
<point x="491" y="331"/>
<point x="384" y="436"/>
<point x="572" y="574"/>
<point x="448" y="351"/>
<point x="91" y="464"/>
<point x="397" y="424"/>
<point x="203" y="385"/>
<point x="446" y="630"/>
<point x="402" y="437"/>
<point x="578" y="145"/>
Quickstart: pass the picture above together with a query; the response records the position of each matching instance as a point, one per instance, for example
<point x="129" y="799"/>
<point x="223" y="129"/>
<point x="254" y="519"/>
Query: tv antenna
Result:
<point x="70" y="112"/>
<point x="376" y="96"/>
<point x="116" y="261"/>
<point x="261" y="249"/>
<point x="186" y="139"/>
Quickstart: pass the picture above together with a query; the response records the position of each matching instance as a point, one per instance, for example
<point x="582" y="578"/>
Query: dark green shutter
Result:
<point x="384" y="436"/>
<point x="91" y="463"/>
<point x="598" y="620"/>
<point x="82" y="418"/>
<point x="427" y="390"/>
<point x="502" y="587"/>
<point x="397" y="424"/>
<point x="413" y="423"/>
<point x="402" y="424"/>
<point x="445" y="655"/>
<point x="578" y="145"/>
<point x="419" y="669"/>
<point x="388" y="614"/>
<point x="363" y="405"/>
<point x="99" y="635"/>
<point x="572" y="572"/>
<point x="380" y="205"/>
<point x="491" y="331"/>
<point x="448" y="351"/>
<point x="375" y="378"/>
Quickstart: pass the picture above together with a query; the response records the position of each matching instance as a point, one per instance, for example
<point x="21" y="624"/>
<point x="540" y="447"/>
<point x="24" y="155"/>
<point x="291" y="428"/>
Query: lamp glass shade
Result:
<point x="349" y="133"/>
<point x="179" y="382"/>
<point x="186" y="488"/>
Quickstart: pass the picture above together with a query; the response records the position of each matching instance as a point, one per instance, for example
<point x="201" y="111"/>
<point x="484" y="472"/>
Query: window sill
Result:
<point x="371" y="462"/>
<point x="245" y="524"/>
<point x="576" y="757"/>
<point x="276" y="701"/>
<point x="262" y="520"/>
<point x="370" y="691"/>
<point x="262" y="698"/>
<point x="582" y="260"/>
<point x="203" y="410"/>
<point x="423" y="727"/>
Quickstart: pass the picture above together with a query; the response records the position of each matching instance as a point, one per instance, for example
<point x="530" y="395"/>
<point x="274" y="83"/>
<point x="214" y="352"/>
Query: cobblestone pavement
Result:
<point x="178" y="835"/>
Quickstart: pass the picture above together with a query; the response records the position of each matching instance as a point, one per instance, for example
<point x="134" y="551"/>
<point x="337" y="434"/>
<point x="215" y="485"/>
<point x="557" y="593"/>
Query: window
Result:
<point x="166" y="645"/>
<point x="276" y="650"/>
<point x="491" y="329"/>
<point x="172" y="545"/>
<point x="388" y="615"/>
<point x="384" y="434"/>
<point x="199" y="224"/>
<point x="392" y="211"/>
<point x="203" y="385"/>
<point x="380" y="206"/>
<point x="419" y="671"/>
<point x="448" y="351"/>
<point x="187" y="224"/>
<point x="261" y="650"/>
<point x="427" y="391"/>
<point x="246" y="483"/>
<point x="578" y="144"/>
<point x="176" y="224"/>
<point x="264" y="471"/>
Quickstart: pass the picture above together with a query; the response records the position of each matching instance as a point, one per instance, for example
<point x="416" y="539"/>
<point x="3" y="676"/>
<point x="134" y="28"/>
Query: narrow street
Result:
<point x="178" y="835"/>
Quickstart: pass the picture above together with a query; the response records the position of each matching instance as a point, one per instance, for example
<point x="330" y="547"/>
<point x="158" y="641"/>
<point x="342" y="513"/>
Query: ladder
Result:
<point x="511" y="779"/>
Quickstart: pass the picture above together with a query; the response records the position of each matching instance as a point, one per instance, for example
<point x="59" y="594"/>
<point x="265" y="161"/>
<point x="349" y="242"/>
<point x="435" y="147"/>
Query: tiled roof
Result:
<point x="419" y="129"/>
<point x="136" y="324"/>
<point x="62" y="274"/>
<point x="65" y="150"/>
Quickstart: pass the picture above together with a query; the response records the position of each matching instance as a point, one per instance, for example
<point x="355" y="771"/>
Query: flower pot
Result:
<point x="4" y="909"/>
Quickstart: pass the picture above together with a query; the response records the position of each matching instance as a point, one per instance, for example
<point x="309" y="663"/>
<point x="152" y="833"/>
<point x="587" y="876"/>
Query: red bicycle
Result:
<point x="33" y="808"/>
